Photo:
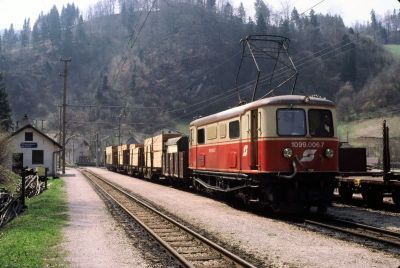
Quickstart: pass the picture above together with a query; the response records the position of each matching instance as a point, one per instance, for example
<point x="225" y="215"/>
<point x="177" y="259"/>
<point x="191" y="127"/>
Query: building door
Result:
<point x="254" y="140"/>
<point x="17" y="162"/>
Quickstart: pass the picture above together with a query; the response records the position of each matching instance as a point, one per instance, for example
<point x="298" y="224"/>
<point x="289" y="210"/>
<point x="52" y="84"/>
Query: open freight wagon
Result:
<point x="154" y="148"/>
<point x="372" y="184"/>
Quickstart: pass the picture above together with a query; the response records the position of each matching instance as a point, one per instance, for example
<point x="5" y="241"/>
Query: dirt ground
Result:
<point x="92" y="237"/>
<point x="276" y="243"/>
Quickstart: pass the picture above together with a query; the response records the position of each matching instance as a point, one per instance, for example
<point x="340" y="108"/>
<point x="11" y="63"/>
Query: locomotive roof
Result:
<point x="277" y="100"/>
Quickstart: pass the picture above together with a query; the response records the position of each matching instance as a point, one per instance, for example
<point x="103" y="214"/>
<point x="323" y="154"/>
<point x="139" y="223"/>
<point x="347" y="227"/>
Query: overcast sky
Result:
<point x="14" y="11"/>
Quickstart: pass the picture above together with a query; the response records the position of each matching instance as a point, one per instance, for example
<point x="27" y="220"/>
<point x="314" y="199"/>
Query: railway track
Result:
<point x="357" y="229"/>
<point x="188" y="247"/>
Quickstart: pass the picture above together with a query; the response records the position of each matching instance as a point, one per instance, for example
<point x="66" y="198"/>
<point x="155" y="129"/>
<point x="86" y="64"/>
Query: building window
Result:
<point x="200" y="136"/>
<point x="234" y="129"/>
<point x="28" y="136"/>
<point x="37" y="157"/>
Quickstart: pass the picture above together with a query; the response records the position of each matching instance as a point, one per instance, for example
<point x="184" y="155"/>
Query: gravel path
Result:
<point x="382" y="219"/>
<point x="92" y="237"/>
<point x="277" y="243"/>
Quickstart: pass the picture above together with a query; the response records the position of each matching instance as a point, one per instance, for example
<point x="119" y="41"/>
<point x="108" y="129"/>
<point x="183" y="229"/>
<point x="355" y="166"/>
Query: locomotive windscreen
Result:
<point x="291" y="122"/>
<point x="320" y="123"/>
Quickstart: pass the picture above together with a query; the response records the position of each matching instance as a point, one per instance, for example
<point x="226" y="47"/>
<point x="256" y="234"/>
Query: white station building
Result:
<point x="32" y="148"/>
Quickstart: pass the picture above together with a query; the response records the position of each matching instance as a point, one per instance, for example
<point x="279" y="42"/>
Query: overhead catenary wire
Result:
<point x="305" y="11"/>
<point x="233" y="92"/>
<point x="248" y="84"/>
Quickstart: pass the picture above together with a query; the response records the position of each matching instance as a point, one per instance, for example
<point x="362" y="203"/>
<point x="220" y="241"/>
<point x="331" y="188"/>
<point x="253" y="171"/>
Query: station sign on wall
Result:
<point x="28" y="144"/>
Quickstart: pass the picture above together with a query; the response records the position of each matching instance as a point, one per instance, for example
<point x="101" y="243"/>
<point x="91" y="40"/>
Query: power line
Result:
<point x="232" y="94"/>
<point x="247" y="85"/>
<point x="320" y="2"/>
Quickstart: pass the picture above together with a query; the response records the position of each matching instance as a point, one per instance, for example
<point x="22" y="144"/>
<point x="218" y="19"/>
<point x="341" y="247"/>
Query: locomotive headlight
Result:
<point x="329" y="153"/>
<point x="287" y="153"/>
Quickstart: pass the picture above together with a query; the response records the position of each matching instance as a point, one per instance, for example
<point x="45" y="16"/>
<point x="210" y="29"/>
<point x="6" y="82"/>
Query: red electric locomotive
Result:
<point x="281" y="152"/>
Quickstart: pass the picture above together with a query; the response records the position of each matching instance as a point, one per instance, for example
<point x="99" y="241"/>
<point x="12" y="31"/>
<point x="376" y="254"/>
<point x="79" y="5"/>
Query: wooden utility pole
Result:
<point x="119" y="130"/>
<point x="65" y="75"/>
<point x="97" y="149"/>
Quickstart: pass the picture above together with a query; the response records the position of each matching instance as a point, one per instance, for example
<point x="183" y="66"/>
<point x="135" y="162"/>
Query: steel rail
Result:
<point x="364" y="231"/>
<point x="227" y="255"/>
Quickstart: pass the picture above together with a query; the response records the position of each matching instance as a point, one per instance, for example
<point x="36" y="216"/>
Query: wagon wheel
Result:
<point x="346" y="193"/>
<point x="372" y="197"/>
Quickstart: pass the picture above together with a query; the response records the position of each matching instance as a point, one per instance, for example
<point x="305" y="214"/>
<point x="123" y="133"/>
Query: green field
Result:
<point x="31" y="239"/>
<point x="369" y="128"/>
<point x="394" y="49"/>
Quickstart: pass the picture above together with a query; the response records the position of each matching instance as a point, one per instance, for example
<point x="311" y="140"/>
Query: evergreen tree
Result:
<point x="53" y="19"/>
<point x="25" y="33"/>
<point x="80" y="31"/>
<point x="5" y="110"/>
<point x="261" y="24"/>
<point x="313" y="19"/>
<point x="295" y="20"/>
<point x="374" y="24"/>
<point x="69" y="16"/>
<point x="35" y="33"/>
<point x="241" y="13"/>
<point x="262" y="11"/>
<point x="10" y="37"/>
<point x="228" y="11"/>
<point x="313" y="32"/>
<point x="44" y="27"/>
<point x="250" y="26"/>
<point x="349" y="70"/>
<point x="284" y="28"/>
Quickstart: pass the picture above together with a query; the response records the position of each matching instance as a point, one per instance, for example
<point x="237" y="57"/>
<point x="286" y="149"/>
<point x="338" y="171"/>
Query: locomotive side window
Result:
<point x="222" y="131"/>
<point x="200" y="136"/>
<point x="320" y="123"/>
<point x="212" y="133"/>
<point x="234" y="129"/>
<point x="291" y="122"/>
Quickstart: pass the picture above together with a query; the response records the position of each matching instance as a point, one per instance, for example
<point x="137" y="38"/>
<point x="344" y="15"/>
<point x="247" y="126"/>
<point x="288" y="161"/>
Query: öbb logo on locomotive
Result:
<point x="308" y="155"/>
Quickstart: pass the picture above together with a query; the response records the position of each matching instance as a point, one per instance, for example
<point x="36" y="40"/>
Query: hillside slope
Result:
<point x="182" y="65"/>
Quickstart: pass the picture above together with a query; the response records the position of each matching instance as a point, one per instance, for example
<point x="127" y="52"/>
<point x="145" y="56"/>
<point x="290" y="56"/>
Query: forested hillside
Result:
<point x="166" y="62"/>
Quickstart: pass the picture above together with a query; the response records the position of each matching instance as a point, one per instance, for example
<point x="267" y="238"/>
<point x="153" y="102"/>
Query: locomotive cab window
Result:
<point x="320" y="123"/>
<point x="291" y="122"/>
<point x="200" y="136"/>
<point x="234" y="129"/>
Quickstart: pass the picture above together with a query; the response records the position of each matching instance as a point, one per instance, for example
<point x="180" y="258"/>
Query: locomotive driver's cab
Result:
<point x="293" y="122"/>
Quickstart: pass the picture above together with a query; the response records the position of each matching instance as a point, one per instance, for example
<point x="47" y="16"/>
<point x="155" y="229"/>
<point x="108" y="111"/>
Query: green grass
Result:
<point x="394" y="49"/>
<point x="32" y="239"/>
<point x="371" y="127"/>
